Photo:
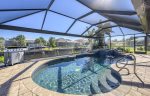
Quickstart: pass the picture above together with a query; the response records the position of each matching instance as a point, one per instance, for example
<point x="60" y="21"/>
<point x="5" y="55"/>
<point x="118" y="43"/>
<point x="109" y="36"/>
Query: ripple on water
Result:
<point x="86" y="75"/>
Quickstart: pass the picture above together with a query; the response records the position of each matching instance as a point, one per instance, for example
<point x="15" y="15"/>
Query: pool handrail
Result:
<point x="124" y="67"/>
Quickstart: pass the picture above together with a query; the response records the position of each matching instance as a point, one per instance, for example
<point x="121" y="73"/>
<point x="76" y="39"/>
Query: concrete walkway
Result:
<point x="16" y="80"/>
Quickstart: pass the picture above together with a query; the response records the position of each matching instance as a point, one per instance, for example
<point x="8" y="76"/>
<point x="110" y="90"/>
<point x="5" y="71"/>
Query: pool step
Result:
<point x="102" y="87"/>
<point x="118" y="78"/>
<point x="104" y="84"/>
<point x="111" y="78"/>
<point x="95" y="86"/>
<point x="108" y="82"/>
<point x="93" y="91"/>
<point x="112" y="84"/>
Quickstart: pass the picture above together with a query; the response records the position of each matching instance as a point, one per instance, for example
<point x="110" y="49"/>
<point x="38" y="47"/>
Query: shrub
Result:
<point x="140" y="48"/>
<point x="127" y="50"/>
<point x="119" y="48"/>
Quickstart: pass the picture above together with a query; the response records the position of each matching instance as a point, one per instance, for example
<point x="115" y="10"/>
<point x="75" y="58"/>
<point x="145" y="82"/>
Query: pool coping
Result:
<point x="32" y="86"/>
<point x="38" y="90"/>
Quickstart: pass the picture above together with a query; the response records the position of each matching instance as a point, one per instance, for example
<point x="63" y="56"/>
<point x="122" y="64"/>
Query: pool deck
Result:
<point x="16" y="80"/>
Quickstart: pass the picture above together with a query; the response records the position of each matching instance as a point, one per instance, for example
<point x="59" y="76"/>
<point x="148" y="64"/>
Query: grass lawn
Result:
<point x="1" y="50"/>
<point x="51" y="49"/>
<point x="127" y="49"/>
<point x="148" y="52"/>
<point x="1" y="59"/>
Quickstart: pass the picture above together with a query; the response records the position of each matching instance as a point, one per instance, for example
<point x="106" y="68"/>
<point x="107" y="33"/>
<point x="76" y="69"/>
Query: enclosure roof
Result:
<point x="67" y="17"/>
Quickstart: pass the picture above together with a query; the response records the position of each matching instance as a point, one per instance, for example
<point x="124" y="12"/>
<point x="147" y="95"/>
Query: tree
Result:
<point x="52" y="42"/>
<point x="99" y="43"/>
<point x="40" y="41"/>
<point x="92" y="42"/>
<point x="1" y="38"/>
<point x="13" y="39"/>
<point x="103" y="31"/>
<point x="91" y="33"/>
<point x="21" y="40"/>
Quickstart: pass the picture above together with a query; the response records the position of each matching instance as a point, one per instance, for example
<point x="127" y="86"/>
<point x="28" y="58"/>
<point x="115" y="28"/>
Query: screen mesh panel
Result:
<point x="72" y="17"/>
<point x="130" y="26"/>
<point x="55" y="22"/>
<point x="107" y="24"/>
<point x="94" y="18"/>
<point x="79" y="28"/>
<point x="9" y="15"/>
<point x="109" y="4"/>
<point x="116" y="31"/>
<point x="91" y="31"/>
<point x="71" y="8"/>
<point x="131" y="18"/>
<point x="129" y="31"/>
<point x="24" y="4"/>
<point x="32" y="21"/>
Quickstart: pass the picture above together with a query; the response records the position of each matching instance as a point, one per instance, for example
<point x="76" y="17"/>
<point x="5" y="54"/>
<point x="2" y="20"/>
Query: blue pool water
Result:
<point x="81" y="76"/>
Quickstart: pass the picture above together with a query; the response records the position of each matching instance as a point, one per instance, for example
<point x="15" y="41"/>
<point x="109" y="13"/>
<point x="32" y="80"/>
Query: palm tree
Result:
<point x="98" y="43"/>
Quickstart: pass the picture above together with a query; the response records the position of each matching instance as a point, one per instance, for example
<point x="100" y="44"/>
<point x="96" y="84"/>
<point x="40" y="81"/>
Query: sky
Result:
<point x="55" y="22"/>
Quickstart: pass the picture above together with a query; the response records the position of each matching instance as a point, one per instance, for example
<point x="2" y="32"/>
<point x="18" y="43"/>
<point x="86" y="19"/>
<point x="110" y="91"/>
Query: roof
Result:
<point x="76" y="16"/>
<point x="63" y="40"/>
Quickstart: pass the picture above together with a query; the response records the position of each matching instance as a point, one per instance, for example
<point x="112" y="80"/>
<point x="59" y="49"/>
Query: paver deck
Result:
<point x="16" y="80"/>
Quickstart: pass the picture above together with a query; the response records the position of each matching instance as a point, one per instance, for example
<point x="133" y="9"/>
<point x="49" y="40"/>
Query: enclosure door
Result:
<point x="140" y="45"/>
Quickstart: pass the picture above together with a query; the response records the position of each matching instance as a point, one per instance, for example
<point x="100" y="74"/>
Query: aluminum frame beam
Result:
<point x="104" y="29"/>
<point x="23" y="29"/>
<point x="51" y="3"/>
<point x="79" y="19"/>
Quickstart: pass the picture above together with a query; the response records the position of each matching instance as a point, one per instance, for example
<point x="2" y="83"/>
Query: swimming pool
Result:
<point x="81" y="76"/>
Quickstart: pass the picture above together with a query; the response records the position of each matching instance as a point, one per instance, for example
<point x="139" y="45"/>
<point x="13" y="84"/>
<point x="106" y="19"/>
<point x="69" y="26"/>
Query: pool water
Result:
<point x="81" y="76"/>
